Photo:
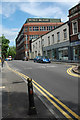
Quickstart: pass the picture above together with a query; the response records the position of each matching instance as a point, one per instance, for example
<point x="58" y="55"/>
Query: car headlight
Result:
<point x="43" y="59"/>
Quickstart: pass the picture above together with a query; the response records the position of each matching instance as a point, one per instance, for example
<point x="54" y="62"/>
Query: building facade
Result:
<point x="74" y="26"/>
<point x="62" y="43"/>
<point x="54" y="44"/>
<point x="32" y="29"/>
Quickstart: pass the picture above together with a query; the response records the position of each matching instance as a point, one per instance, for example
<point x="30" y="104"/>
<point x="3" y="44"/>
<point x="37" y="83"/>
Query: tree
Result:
<point x="5" y="45"/>
<point x="11" y="51"/>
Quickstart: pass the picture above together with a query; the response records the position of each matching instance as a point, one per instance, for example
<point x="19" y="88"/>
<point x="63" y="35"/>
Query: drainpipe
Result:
<point x="70" y="53"/>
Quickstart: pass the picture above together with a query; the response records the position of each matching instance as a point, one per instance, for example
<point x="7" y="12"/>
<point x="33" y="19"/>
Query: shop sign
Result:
<point x="60" y="49"/>
<point x="75" y="43"/>
<point x="38" y="20"/>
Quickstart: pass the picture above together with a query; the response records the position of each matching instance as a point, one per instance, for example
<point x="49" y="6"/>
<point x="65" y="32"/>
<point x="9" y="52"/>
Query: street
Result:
<point x="51" y="80"/>
<point x="40" y="60"/>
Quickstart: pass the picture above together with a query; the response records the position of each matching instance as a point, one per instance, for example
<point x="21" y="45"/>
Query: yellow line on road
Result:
<point x="69" y="110"/>
<point x="69" y="71"/>
<point x="62" y="111"/>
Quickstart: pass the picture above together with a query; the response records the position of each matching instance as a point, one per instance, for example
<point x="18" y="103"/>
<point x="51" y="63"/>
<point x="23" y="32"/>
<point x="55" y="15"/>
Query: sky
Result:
<point x="14" y="13"/>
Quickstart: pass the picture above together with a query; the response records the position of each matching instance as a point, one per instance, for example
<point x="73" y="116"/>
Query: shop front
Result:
<point x="58" y="52"/>
<point x="54" y="54"/>
<point x="76" y="53"/>
<point x="49" y="54"/>
<point x="63" y="54"/>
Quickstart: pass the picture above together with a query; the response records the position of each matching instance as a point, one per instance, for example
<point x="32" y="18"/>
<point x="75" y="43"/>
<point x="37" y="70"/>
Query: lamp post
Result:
<point x="42" y="44"/>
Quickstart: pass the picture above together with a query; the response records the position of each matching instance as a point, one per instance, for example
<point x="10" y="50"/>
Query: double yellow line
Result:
<point x="49" y="96"/>
<point x="69" y="71"/>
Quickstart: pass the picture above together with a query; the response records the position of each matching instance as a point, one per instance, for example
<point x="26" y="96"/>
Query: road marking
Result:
<point x="69" y="110"/>
<point x="43" y="67"/>
<point x="69" y="71"/>
<point x="28" y="68"/>
<point x="50" y="66"/>
<point x="49" y="96"/>
<point x="2" y="87"/>
<point x="63" y="112"/>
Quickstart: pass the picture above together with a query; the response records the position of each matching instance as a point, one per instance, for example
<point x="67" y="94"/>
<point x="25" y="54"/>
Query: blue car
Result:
<point x="37" y="58"/>
<point x="44" y="59"/>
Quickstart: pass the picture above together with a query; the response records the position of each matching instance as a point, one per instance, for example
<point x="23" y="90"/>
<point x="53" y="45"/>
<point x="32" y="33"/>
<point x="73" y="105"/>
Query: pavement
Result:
<point x="76" y="70"/>
<point x="15" y="100"/>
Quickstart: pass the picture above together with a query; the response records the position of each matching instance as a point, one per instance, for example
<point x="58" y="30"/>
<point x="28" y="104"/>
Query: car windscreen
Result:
<point x="38" y="57"/>
<point x="45" y="57"/>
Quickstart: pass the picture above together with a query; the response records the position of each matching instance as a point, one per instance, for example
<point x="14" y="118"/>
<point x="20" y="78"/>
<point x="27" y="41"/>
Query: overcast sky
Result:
<point x="13" y="13"/>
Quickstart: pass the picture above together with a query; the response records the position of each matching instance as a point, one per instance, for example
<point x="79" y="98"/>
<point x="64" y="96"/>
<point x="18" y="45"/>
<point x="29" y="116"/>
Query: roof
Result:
<point x="75" y="6"/>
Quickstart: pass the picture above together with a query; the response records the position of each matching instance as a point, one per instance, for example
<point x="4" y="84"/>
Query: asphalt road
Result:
<point x="54" y="78"/>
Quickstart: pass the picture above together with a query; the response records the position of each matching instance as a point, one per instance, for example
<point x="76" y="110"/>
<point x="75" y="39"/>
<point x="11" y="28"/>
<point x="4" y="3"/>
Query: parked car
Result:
<point x="44" y="59"/>
<point x="25" y="59"/>
<point x="37" y="58"/>
<point x="9" y="58"/>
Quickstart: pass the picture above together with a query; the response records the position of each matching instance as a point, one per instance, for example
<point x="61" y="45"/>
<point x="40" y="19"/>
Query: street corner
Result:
<point x="76" y="70"/>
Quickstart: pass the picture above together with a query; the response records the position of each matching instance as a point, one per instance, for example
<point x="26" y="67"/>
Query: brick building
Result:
<point x="32" y="29"/>
<point x="74" y="31"/>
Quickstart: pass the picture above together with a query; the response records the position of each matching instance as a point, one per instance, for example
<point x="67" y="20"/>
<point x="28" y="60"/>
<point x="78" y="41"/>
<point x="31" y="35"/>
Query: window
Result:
<point x="63" y="53"/>
<point x="54" y="27"/>
<point x="33" y="36"/>
<point x="42" y="42"/>
<point x="75" y="27"/>
<point x="33" y="46"/>
<point x="65" y="33"/>
<point x="36" y="45"/>
<point x="49" y="40"/>
<point x="49" y="27"/>
<point x="52" y="39"/>
<point x="26" y="37"/>
<point x="58" y="36"/>
<point x="26" y="29"/>
<point x="26" y="46"/>
<point x="39" y="44"/>
<point x="30" y="37"/>
<point x="36" y="28"/>
<point x="42" y="28"/>
<point x="30" y="28"/>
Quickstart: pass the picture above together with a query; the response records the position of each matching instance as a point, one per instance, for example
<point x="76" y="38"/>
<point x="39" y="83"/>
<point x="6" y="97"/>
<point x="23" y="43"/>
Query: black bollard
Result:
<point x="32" y="109"/>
